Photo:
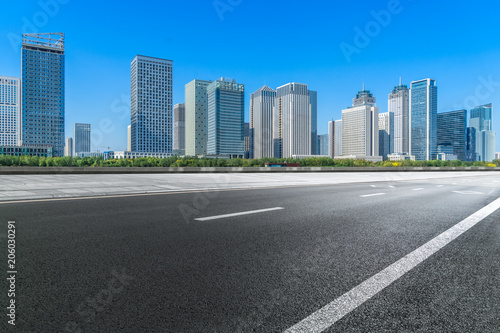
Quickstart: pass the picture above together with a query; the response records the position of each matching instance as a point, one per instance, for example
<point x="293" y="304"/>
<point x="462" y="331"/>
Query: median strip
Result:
<point x="327" y="316"/>
<point x="238" y="214"/>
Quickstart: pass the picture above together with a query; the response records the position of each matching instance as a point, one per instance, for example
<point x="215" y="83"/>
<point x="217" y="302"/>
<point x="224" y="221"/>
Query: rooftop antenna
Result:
<point x="400" y="80"/>
<point x="363" y="86"/>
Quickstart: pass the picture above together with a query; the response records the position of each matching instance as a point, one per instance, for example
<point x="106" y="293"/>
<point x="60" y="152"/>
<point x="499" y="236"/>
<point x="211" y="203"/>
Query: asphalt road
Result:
<point x="146" y="264"/>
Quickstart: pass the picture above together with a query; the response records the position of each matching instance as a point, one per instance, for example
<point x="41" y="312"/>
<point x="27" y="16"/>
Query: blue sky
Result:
<point x="263" y="42"/>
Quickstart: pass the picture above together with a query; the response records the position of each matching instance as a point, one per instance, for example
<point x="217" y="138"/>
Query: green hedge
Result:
<point x="175" y="161"/>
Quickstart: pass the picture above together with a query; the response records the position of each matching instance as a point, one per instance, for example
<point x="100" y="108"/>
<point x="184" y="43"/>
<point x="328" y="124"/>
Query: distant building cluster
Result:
<point x="282" y="123"/>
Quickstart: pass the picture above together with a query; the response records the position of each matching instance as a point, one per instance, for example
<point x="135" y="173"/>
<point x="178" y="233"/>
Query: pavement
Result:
<point x="412" y="252"/>
<point x="26" y="187"/>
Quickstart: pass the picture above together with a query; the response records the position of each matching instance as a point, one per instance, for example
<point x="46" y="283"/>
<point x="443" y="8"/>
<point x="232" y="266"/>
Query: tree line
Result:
<point x="176" y="161"/>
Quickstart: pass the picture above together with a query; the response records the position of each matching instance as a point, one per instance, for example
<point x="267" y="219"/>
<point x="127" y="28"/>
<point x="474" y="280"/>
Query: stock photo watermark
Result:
<point x="223" y="6"/>
<point x="33" y="23"/>
<point x="485" y="89"/>
<point x="364" y="36"/>
<point x="202" y="200"/>
<point x="121" y="107"/>
<point x="88" y="309"/>
<point x="11" y="272"/>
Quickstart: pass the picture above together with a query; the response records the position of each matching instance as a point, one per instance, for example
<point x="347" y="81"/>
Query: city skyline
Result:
<point x="467" y="78"/>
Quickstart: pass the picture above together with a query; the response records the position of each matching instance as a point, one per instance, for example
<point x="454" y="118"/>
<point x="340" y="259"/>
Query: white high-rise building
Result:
<point x="151" y="105"/>
<point x="335" y="138"/>
<point x="68" y="148"/>
<point x="261" y="122"/>
<point x="481" y="120"/>
<point x="386" y="133"/>
<point x="360" y="136"/>
<point x="295" y="111"/>
<point x="196" y="117"/>
<point x="399" y="105"/>
<point x="10" y="111"/>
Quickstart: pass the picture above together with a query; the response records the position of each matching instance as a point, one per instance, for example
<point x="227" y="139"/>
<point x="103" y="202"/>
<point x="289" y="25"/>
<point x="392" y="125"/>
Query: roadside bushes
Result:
<point x="176" y="161"/>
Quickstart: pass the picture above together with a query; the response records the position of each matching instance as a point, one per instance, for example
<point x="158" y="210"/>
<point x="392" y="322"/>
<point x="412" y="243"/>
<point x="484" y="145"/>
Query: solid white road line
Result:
<point x="331" y="313"/>
<point x="467" y="192"/>
<point x="371" y="195"/>
<point x="238" y="214"/>
<point x="417" y="189"/>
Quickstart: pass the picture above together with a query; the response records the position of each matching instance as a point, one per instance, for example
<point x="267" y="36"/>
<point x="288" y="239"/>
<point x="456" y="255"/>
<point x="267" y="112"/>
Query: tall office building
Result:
<point x="481" y="120"/>
<point x="497" y="156"/>
<point x="43" y="91"/>
<point x="261" y="122"/>
<point x="10" y="111"/>
<point x="335" y="138"/>
<point x="151" y="105"/>
<point x="295" y="110"/>
<point x="360" y="126"/>
<point x="68" y="148"/>
<point x="386" y="133"/>
<point x="226" y="109"/>
<point x="313" y="95"/>
<point x="196" y="117"/>
<point x="423" y="119"/>
<point x="322" y="145"/>
<point x="179" y="127"/>
<point x="246" y="140"/>
<point x="452" y="132"/>
<point x="399" y="105"/>
<point x="81" y="138"/>
<point x="470" y="150"/>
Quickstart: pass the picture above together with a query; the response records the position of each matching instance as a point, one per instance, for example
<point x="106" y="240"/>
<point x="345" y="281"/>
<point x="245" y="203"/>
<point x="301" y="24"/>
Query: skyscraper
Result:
<point x="10" y="111"/>
<point x="226" y="108"/>
<point x="180" y="127"/>
<point x="81" y="138"/>
<point x="452" y="132"/>
<point x="470" y="152"/>
<point x="294" y="111"/>
<point x="360" y="126"/>
<point x="151" y="105"/>
<point x="43" y="91"/>
<point x="335" y="138"/>
<point x="386" y="133"/>
<point x="400" y="107"/>
<point x="196" y="113"/>
<point x="314" y="120"/>
<point x="261" y="122"/>
<point x="423" y="119"/>
<point x="481" y="120"/>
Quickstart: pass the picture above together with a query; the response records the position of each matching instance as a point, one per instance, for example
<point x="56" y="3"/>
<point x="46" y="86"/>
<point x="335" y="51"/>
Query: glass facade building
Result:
<point x="151" y="105"/>
<point x="179" y="127"/>
<point x="10" y="111"/>
<point x="481" y="120"/>
<point x="81" y="138"/>
<point x="423" y="120"/>
<point x="452" y="132"/>
<point x="386" y="133"/>
<point x="43" y="95"/>
<point x="226" y="111"/>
